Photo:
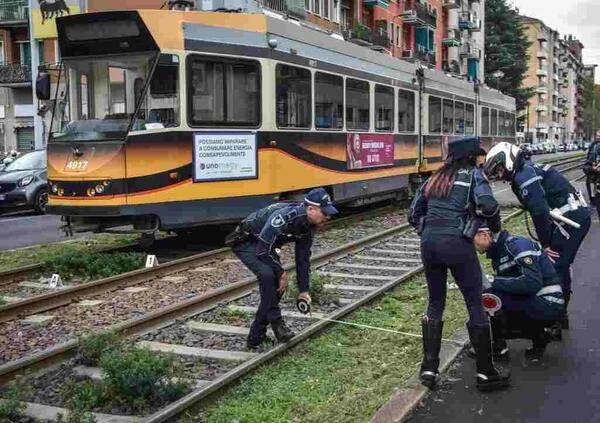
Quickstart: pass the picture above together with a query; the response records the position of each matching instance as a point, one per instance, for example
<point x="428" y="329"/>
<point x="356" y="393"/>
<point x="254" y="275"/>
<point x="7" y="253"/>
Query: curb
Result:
<point x="405" y="400"/>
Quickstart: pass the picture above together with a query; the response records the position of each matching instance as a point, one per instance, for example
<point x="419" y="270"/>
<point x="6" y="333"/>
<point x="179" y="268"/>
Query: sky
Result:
<point x="577" y="17"/>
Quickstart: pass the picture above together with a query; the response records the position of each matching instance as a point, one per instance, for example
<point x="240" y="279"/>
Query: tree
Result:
<point x="591" y="108"/>
<point x="506" y="47"/>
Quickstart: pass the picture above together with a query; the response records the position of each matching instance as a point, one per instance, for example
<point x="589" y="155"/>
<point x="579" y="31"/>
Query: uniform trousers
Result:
<point x="442" y="252"/>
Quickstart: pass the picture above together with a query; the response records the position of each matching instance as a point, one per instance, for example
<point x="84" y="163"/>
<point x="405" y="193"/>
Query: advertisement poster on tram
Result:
<point x="224" y="156"/>
<point x="369" y="150"/>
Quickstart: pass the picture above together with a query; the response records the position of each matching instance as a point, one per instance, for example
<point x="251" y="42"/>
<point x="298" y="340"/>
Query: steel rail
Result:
<point x="167" y="315"/>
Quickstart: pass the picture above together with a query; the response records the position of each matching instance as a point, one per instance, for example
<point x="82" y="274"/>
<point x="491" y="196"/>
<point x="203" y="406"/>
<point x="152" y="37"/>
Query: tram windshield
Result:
<point x="97" y="98"/>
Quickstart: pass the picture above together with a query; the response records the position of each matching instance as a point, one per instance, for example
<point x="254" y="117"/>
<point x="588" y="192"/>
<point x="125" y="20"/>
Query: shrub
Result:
<point x="92" y="347"/>
<point x="318" y="293"/>
<point x="94" y="265"/>
<point x="137" y="376"/>
<point x="13" y="406"/>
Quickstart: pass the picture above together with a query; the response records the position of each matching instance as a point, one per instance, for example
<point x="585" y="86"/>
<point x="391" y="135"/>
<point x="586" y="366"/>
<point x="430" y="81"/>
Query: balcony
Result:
<point x="420" y="54"/>
<point x="360" y="35"/>
<point x="15" y="75"/>
<point x="452" y="4"/>
<point x="380" y="39"/>
<point x="541" y="109"/>
<point x="419" y="15"/>
<point x="470" y="52"/>
<point x="469" y="22"/>
<point x="541" y="89"/>
<point x="542" y="54"/>
<point x="542" y="72"/>
<point x="453" y="38"/>
<point x="381" y="3"/>
<point x="289" y="7"/>
<point x="15" y="13"/>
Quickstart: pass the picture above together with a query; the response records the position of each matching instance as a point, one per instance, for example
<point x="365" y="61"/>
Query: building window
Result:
<point x="384" y="108"/>
<point x="406" y="111"/>
<point x="358" y="107"/>
<point x="326" y="8"/>
<point x="41" y="52"/>
<point x="1" y="52"/>
<point x="469" y="119"/>
<point x="459" y="117"/>
<point x="293" y="103"/>
<point x="447" y="116"/>
<point x="329" y="101"/>
<point x="223" y="92"/>
<point x="435" y="115"/>
<point x="335" y="13"/>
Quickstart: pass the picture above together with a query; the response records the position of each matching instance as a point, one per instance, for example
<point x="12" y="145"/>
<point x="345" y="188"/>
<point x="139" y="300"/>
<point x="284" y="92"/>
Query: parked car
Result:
<point x="24" y="183"/>
<point x="562" y="147"/>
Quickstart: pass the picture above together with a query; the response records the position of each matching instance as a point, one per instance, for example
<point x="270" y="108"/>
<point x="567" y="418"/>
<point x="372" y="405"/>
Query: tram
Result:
<point x="170" y="120"/>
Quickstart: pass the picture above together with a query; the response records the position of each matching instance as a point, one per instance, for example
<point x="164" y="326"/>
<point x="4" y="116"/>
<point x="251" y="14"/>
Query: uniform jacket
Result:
<point x="278" y="224"/>
<point x="523" y="269"/>
<point x="470" y="194"/>
<point x="593" y="157"/>
<point x="541" y="189"/>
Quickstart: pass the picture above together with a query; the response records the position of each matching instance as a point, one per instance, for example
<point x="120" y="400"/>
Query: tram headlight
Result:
<point x="61" y="192"/>
<point x="91" y="192"/>
<point x="54" y="189"/>
<point x="99" y="188"/>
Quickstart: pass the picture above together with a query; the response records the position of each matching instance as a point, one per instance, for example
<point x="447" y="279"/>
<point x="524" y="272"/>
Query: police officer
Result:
<point x="528" y="286"/>
<point x="443" y="211"/>
<point x="256" y="242"/>
<point x="542" y="189"/>
<point x="591" y="168"/>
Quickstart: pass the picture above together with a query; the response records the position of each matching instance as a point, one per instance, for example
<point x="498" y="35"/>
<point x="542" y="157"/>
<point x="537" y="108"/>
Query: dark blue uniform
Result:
<point x="525" y="280"/>
<point x="444" y="245"/>
<point x="541" y="189"/>
<point x="268" y="229"/>
<point x="592" y="177"/>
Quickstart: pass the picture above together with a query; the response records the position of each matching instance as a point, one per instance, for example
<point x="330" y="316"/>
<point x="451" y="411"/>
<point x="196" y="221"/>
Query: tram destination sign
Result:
<point x="224" y="156"/>
<point x="369" y="150"/>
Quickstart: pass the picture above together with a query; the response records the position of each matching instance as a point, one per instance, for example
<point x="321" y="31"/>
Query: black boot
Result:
<point x="540" y="339"/>
<point x="432" y="342"/>
<point x="282" y="332"/>
<point x="564" y="324"/>
<point x="257" y="335"/>
<point x="488" y="377"/>
<point x="500" y="349"/>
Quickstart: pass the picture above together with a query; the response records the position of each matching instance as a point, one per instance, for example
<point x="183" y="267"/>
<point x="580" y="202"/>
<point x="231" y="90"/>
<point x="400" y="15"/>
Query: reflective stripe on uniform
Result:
<point x="550" y="289"/>
<point x="462" y="184"/>
<point x="530" y="181"/>
<point x="546" y="168"/>
<point x="505" y="266"/>
<point x="528" y="253"/>
<point x="555" y="300"/>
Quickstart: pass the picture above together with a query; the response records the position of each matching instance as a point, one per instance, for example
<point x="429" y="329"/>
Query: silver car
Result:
<point x="24" y="183"/>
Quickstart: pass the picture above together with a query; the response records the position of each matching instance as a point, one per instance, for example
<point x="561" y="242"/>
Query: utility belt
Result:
<point x="240" y="235"/>
<point x="469" y="228"/>
<point x="574" y="202"/>
<point x="547" y="291"/>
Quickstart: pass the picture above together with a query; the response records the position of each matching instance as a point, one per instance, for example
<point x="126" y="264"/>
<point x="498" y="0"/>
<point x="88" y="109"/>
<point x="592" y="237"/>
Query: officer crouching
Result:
<point x="528" y="286"/>
<point x="256" y="242"/>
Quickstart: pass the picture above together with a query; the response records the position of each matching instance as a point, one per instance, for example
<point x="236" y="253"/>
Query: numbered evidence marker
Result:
<point x="151" y="260"/>
<point x="55" y="281"/>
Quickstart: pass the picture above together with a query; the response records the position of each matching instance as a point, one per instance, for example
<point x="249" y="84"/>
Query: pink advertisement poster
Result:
<point x="369" y="150"/>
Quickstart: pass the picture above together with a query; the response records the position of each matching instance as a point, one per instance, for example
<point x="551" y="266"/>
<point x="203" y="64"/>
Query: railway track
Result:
<point x="358" y="272"/>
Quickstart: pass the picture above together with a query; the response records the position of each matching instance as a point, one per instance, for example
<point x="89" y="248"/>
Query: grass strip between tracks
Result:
<point x="347" y="373"/>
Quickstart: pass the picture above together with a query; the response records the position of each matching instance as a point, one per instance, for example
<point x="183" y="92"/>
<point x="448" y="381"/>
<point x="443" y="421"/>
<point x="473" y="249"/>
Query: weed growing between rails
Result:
<point x="91" y="265"/>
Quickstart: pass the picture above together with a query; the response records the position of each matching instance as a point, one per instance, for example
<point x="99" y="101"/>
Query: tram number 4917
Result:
<point x="76" y="165"/>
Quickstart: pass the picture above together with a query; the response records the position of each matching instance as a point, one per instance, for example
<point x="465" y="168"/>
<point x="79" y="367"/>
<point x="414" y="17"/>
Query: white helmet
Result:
<point x="505" y="154"/>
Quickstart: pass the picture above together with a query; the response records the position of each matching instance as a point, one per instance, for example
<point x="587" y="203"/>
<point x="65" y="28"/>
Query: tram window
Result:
<point x="406" y="111"/>
<point x="160" y="107"/>
<point x="485" y="121"/>
<point x="329" y="101"/>
<point x="512" y="124"/>
<point x="469" y="119"/>
<point x="447" y="116"/>
<point x="358" y="107"/>
<point x="117" y="93"/>
<point x="293" y="101"/>
<point x="459" y="117"/>
<point x="435" y="115"/>
<point x="494" y="123"/>
<point x="501" y="124"/>
<point x="223" y="92"/>
<point x="384" y="108"/>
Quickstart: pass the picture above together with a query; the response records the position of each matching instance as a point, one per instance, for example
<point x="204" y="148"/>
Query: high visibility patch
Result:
<point x="277" y="221"/>
<point x="528" y="260"/>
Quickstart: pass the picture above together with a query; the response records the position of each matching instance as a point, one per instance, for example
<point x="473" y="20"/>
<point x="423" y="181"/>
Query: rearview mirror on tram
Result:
<point x="42" y="86"/>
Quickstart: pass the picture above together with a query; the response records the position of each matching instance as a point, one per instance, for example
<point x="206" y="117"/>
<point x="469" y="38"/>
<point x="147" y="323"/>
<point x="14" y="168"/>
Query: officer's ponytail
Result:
<point x="441" y="182"/>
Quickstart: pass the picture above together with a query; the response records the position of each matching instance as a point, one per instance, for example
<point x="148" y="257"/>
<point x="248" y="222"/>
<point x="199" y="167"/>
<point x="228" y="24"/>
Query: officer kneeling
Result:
<point x="256" y="242"/>
<point x="528" y="286"/>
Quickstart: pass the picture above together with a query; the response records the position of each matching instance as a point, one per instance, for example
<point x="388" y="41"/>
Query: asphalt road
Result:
<point x="19" y="230"/>
<point x="563" y="387"/>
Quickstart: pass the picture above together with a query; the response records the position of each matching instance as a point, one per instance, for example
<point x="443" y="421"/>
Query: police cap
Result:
<point x="320" y="198"/>
<point x="465" y="147"/>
